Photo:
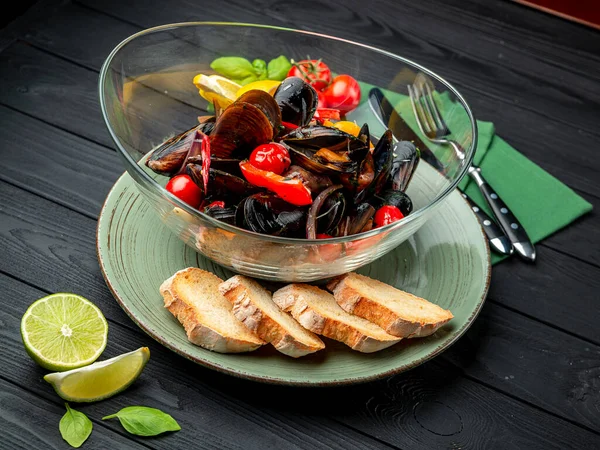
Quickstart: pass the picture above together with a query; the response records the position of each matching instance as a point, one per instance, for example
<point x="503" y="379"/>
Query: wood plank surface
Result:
<point x="445" y="406"/>
<point x="526" y="375"/>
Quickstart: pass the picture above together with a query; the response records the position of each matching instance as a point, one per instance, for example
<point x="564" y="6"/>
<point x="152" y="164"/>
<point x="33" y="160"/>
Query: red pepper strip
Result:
<point x="291" y="126"/>
<point x="205" y="161"/>
<point x="327" y="113"/>
<point x="292" y="190"/>
<point x="218" y="203"/>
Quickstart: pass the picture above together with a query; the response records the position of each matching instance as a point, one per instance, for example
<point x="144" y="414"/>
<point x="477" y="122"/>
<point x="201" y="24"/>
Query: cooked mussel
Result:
<point x="239" y="130"/>
<point x="229" y="165"/>
<point x="321" y="161"/>
<point x="404" y="164"/>
<point x="382" y="161"/>
<point x="317" y="137"/>
<point x="297" y="101"/>
<point x="168" y="158"/>
<point x="266" y="103"/>
<point x="223" y="213"/>
<point x="391" y="197"/>
<point x="266" y="213"/>
<point x="357" y="220"/>
<point x="315" y="182"/>
<point x="326" y="211"/>
<point x="221" y="185"/>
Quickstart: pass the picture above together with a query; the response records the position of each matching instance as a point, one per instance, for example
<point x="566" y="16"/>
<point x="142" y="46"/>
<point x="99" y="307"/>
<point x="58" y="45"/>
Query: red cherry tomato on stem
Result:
<point x="322" y="101"/>
<point x="271" y="157"/>
<point x="343" y="93"/>
<point x="182" y="187"/>
<point x="386" y="215"/>
<point x="313" y="71"/>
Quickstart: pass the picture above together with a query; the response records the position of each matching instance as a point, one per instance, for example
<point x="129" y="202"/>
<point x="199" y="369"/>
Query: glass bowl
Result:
<point x="147" y="95"/>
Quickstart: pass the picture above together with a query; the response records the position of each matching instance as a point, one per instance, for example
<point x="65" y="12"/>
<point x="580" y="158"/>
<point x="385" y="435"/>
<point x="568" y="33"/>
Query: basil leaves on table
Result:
<point x="145" y="421"/>
<point x="75" y="427"/>
<point x="243" y="71"/>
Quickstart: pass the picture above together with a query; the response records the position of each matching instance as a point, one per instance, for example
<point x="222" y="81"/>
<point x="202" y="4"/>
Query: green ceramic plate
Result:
<point x="447" y="261"/>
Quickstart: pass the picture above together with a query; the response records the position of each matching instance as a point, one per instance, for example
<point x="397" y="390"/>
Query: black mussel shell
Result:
<point x="266" y="103"/>
<point x="240" y="129"/>
<point x="207" y="124"/>
<point x="224" y="214"/>
<point x="266" y="213"/>
<point x="317" y="137"/>
<point x="331" y="213"/>
<point x="404" y="164"/>
<point x="315" y="182"/>
<point x="382" y="160"/>
<point x="398" y="199"/>
<point x="356" y="220"/>
<point x="361" y="182"/>
<point x="168" y="158"/>
<point x="221" y="185"/>
<point x="297" y="101"/>
<point x="308" y="159"/>
<point x="228" y="165"/>
<point x="364" y="136"/>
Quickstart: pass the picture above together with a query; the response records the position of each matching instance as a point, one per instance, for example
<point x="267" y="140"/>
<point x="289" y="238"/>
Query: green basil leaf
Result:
<point x="233" y="67"/>
<point x="260" y="67"/>
<point x="75" y="427"/>
<point x="246" y="80"/>
<point x="144" y="421"/>
<point x="278" y="68"/>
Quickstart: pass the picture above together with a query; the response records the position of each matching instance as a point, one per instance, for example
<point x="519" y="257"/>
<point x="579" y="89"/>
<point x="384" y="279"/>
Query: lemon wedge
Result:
<point x="269" y="86"/>
<point x="101" y="379"/>
<point x="217" y="89"/>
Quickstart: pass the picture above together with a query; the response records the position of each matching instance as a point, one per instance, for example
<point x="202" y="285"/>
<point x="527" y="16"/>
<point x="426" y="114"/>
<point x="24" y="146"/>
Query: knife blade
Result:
<point x="387" y="116"/>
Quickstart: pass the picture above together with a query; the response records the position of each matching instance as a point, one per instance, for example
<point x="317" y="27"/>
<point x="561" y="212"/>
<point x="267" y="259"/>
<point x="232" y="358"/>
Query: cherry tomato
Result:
<point x="313" y="71"/>
<point x="271" y="157"/>
<point x="327" y="113"/>
<point x="322" y="102"/>
<point x="343" y="93"/>
<point x="182" y="187"/>
<point x="386" y="215"/>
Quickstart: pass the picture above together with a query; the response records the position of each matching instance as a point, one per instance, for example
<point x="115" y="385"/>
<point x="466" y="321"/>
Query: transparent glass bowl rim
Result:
<point x="133" y="165"/>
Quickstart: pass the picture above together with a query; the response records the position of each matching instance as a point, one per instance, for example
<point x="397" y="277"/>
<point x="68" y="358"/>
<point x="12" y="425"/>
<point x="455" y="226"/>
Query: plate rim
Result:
<point x="279" y="381"/>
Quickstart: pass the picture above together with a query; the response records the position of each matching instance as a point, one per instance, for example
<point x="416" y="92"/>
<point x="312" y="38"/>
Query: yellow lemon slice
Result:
<point x="217" y="89"/>
<point x="269" y="86"/>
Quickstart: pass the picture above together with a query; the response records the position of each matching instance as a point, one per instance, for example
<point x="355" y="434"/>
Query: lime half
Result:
<point x="64" y="331"/>
<point x="100" y="380"/>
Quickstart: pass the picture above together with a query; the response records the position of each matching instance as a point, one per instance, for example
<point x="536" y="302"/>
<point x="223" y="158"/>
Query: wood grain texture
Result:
<point x="30" y="422"/>
<point x="531" y="137"/>
<point x="399" y="410"/>
<point x="60" y="238"/>
<point x="209" y="418"/>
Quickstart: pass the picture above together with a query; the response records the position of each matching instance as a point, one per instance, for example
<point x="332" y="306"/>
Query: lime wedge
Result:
<point x="100" y="380"/>
<point x="64" y="331"/>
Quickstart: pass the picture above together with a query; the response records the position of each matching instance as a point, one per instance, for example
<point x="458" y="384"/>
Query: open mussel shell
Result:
<point x="322" y="164"/>
<point x="229" y="165"/>
<point x="221" y="185"/>
<point x="404" y="164"/>
<point x="266" y="103"/>
<point x="326" y="211"/>
<point x="318" y="136"/>
<point x="240" y="129"/>
<point x="168" y="158"/>
<point x="297" y="101"/>
<point x="266" y="213"/>
<point x="391" y="197"/>
<point x="382" y="160"/>
<point x="315" y="182"/>
<point x="224" y="214"/>
<point x="356" y="221"/>
<point x="364" y="136"/>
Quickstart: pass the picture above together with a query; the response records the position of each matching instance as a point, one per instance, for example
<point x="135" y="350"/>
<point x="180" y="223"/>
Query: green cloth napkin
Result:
<point x="541" y="202"/>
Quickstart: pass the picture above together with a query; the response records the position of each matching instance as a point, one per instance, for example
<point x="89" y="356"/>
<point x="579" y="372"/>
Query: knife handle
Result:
<point x="507" y="220"/>
<point x="498" y="241"/>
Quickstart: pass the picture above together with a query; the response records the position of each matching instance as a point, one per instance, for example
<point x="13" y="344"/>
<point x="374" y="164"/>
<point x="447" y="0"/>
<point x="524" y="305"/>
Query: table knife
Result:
<point x="389" y="118"/>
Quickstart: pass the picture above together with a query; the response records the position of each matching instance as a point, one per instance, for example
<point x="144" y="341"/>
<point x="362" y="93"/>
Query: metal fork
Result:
<point x="432" y="125"/>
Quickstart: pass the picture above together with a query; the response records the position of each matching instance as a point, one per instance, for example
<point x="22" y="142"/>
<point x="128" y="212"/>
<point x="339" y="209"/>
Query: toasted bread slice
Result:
<point x="254" y="307"/>
<point x="397" y="312"/>
<point x="192" y="295"/>
<point x="317" y="311"/>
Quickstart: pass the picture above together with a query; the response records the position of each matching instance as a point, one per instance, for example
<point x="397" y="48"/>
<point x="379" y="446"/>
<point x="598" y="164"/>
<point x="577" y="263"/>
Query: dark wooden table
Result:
<point x="526" y="375"/>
